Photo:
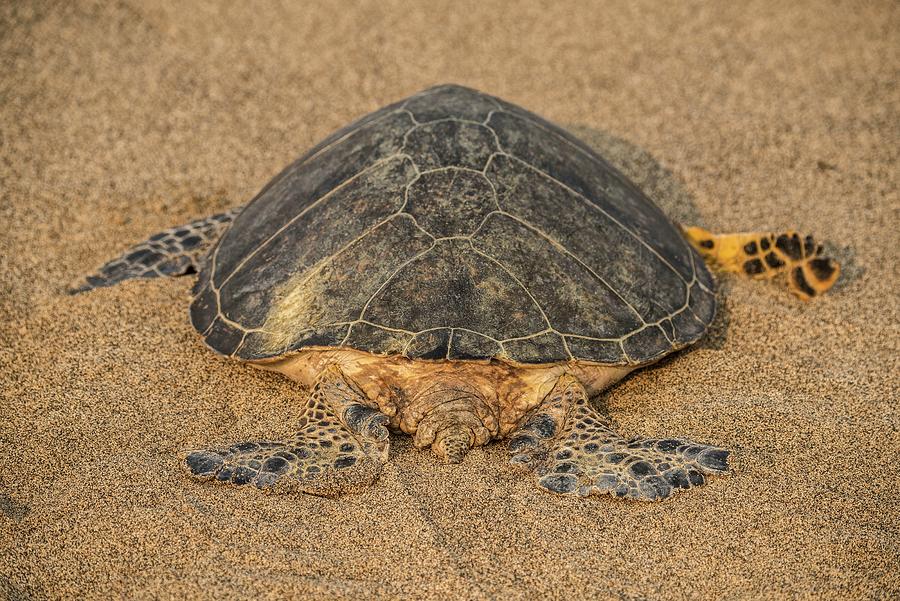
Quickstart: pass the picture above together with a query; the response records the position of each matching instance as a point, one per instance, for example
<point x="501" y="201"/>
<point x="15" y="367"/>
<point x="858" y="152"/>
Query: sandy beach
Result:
<point x="118" y="119"/>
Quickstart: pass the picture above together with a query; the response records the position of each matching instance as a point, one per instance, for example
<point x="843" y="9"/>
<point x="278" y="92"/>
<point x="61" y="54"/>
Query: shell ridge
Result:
<point x="516" y="280"/>
<point x="393" y="275"/>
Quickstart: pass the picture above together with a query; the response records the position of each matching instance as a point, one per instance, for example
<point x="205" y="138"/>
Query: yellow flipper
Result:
<point x="763" y="255"/>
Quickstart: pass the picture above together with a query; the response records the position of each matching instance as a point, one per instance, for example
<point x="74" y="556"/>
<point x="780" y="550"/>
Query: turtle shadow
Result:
<point x="671" y="195"/>
<point x="657" y="182"/>
<point x="13" y="592"/>
<point x="851" y="270"/>
<point x="12" y="509"/>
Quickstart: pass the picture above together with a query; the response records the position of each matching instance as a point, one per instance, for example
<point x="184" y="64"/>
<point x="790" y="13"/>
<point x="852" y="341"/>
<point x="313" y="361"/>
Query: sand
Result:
<point x="118" y="119"/>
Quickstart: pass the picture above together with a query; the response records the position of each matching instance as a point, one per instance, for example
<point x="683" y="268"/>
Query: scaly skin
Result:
<point x="555" y="432"/>
<point x="766" y="255"/>
<point x="431" y="400"/>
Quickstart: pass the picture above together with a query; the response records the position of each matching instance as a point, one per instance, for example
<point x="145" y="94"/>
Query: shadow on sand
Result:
<point x="670" y="194"/>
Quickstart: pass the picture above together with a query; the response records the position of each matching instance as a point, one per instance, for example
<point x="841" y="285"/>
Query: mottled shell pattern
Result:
<point x="453" y="225"/>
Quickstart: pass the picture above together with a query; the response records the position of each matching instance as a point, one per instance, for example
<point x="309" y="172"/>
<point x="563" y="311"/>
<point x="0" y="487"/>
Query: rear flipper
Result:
<point x="761" y="255"/>
<point x="571" y="451"/>
<point x="172" y="252"/>
<point x="341" y="447"/>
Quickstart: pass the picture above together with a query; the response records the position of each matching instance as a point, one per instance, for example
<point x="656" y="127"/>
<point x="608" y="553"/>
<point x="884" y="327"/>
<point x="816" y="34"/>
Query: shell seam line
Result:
<point x="569" y="253"/>
<point x="517" y="281"/>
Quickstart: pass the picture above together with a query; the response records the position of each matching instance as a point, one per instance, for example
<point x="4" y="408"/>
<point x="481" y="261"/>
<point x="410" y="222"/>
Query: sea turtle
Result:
<point x="458" y="269"/>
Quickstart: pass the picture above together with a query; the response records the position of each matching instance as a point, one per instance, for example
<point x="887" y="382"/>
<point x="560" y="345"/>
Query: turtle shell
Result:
<point x="453" y="225"/>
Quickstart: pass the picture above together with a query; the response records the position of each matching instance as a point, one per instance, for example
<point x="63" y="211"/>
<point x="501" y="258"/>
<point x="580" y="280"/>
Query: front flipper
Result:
<point x="568" y="446"/>
<point x="341" y="446"/>
<point x="172" y="252"/>
<point x="762" y="255"/>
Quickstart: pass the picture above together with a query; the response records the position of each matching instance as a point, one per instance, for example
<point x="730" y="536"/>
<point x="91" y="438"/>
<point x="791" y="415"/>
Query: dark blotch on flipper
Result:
<point x="606" y="482"/>
<point x="692" y="451"/>
<point x="357" y="416"/>
<point x="277" y="465"/>
<point x="789" y="245"/>
<point x="750" y="248"/>
<point x="94" y="280"/>
<point x="678" y="478"/>
<point x="139" y="254"/>
<point x="344" y="462"/>
<point x="801" y="282"/>
<point x="773" y="261"/>
<point x="668" y="446"/>
<point x="265" y="479"/>
<point x="347" y="447"/>
<point x="714" y="460"/>
<point x="764" y="243"/>
<point x="809" y="245"/>
<point x="566" y="468"/>
<point x="822" y="268"/>
<point x="754" y="267"/>
<point x="559" y="483"/>
<point x="543" y="424"/>
<point x="242" y="475"/>
<point x="564" y="454"/>
<point x="204" y="463"/>
<point x="655" y="488"/>
<point x="707" y="243"/>
<point x="695" y="478"/>
<point x="641" y="468"/>
<point x="522" y="441"/>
